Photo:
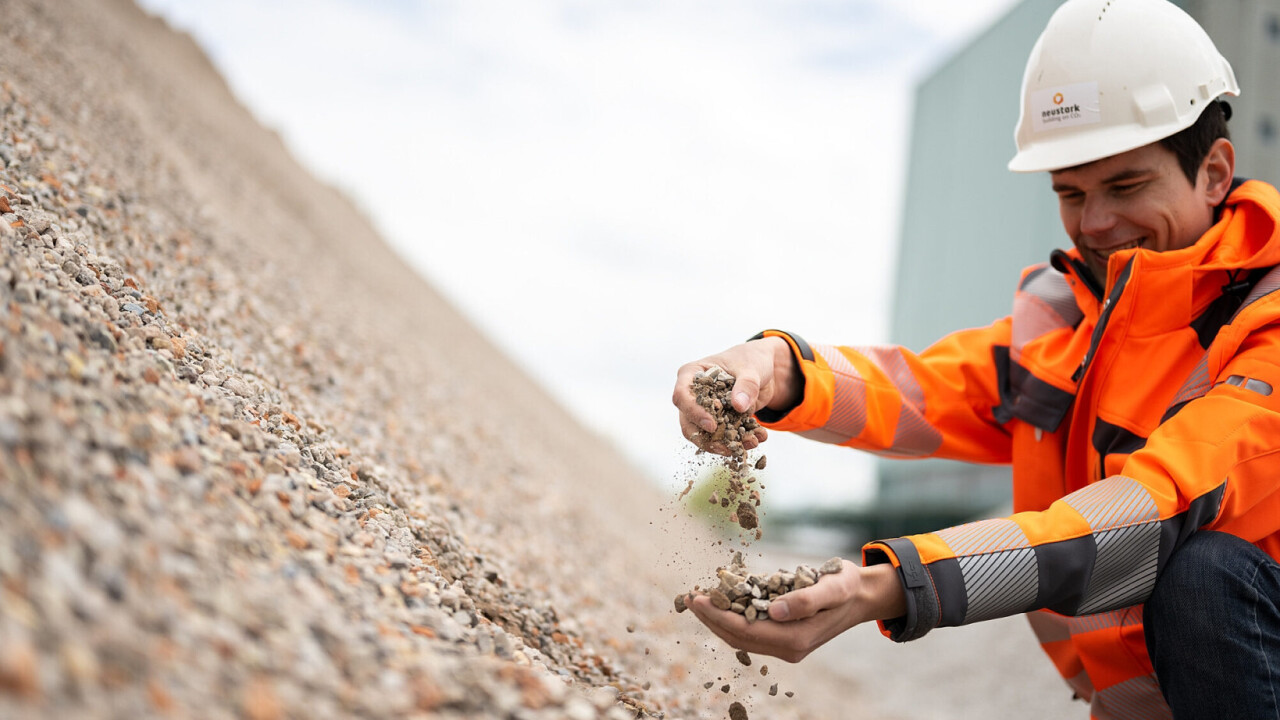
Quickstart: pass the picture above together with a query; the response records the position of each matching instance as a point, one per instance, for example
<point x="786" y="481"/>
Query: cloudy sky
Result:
<point x="612" y="188"/>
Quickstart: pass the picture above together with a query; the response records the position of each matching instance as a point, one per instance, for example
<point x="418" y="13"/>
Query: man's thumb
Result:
<point x="797" y="605"/>
<point x="745" y="392"/>
<point x="779" y="610"/>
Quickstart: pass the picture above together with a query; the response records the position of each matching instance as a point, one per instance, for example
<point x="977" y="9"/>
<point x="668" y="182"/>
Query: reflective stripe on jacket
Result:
<point x="1131" y="422"/>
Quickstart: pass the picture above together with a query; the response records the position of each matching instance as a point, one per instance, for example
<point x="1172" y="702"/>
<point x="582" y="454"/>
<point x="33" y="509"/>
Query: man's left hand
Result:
<point x="803" y="620"/>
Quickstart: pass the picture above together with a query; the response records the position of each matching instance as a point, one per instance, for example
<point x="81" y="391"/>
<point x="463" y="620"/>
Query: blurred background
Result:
<point x="611" y="189"/>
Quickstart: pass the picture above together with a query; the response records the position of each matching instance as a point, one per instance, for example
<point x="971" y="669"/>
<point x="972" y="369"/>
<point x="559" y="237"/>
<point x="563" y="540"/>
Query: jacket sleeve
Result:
<point x="1214" y="463"/>
<point x="892" y="402"/>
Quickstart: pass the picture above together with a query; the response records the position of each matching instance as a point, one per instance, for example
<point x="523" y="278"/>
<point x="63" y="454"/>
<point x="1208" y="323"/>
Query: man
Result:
<point x="1135" y="389"/>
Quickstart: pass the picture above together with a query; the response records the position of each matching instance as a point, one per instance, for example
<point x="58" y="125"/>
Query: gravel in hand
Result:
<point x="750" y="594"/>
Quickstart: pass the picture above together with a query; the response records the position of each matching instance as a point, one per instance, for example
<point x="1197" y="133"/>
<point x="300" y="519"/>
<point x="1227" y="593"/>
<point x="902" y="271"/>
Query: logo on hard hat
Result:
<point x="1064" y="106"/>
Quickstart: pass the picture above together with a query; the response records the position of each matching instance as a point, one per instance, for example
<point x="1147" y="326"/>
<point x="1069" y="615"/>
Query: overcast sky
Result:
<point x="612" y="188"/>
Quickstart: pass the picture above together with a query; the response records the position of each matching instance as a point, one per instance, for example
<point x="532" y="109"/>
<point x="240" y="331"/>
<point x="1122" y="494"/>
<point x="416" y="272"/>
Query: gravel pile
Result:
<point x="251" y="466"/>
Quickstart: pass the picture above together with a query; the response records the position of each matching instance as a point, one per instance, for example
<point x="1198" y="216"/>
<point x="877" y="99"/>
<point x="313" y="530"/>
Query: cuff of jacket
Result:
<point x="924" y="612"/>
<point x="802" y="353"/>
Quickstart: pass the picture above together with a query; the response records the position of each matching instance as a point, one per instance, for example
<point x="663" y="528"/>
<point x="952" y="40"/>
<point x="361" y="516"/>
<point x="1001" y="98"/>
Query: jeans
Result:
<point x="1213" y="630"/>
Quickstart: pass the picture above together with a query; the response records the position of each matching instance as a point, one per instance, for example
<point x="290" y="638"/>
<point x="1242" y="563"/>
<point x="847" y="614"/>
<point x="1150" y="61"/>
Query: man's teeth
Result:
<point x="1111" y="251"/>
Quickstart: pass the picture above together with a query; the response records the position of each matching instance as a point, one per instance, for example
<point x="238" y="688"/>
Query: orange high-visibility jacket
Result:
<point x="1133" y="415"/>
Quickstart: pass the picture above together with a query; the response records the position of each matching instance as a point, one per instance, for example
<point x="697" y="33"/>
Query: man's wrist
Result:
<point x="788" y="378"/>
<point x="880" y="593"/>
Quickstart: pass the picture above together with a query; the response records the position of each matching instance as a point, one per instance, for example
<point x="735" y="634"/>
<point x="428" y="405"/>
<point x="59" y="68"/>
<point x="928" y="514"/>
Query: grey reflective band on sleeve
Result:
<point x="923" y="613"/>
<point x="805" y="351"/>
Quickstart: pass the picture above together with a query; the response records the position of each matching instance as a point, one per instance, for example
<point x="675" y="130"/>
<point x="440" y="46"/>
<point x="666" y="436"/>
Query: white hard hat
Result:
<point x="1109" y="76"/>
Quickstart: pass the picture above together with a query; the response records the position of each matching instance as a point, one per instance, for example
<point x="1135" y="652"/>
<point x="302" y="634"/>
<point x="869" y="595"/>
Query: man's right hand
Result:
<point x="766" y="375"/>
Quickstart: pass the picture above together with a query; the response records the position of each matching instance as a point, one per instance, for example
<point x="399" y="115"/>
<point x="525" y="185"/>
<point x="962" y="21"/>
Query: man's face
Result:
<point x="1139" y="198"/>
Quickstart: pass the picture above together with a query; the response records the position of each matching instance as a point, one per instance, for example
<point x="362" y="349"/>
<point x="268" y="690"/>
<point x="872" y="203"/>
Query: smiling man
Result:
<point x="1132" y="388"/>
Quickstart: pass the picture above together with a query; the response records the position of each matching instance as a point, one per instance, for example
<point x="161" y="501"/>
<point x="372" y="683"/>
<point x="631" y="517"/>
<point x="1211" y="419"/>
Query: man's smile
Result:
<point x="1106" y="253"/>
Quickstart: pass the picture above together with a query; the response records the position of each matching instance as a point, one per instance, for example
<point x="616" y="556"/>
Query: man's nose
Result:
<point x="1098" y="216"/>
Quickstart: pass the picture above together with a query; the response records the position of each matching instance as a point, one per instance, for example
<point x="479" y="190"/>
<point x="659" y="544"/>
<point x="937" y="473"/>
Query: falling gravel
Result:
<point x="712" y="389"/>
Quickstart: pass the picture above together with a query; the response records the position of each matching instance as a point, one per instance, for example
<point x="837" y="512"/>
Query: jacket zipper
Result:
<point x="1108" y="304"/>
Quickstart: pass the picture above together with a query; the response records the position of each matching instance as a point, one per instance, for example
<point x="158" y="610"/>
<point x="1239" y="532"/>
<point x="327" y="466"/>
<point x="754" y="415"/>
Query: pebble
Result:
<point x="237" y="386"/>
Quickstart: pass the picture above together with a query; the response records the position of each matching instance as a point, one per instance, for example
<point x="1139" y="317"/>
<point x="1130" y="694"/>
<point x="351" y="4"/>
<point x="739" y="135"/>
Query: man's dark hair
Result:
<point x="1190" y="146"/>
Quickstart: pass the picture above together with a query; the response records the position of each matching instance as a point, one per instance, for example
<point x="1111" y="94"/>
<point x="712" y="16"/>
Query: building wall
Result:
<point x="969" y="225"/>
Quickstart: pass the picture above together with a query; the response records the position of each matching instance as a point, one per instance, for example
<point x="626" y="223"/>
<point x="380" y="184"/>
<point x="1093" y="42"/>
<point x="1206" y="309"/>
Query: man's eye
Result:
<point x="1127" y="188"/>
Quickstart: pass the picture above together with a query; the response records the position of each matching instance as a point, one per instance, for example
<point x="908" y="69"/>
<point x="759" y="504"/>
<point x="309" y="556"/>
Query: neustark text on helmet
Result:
<point x="1057" y="113"/>
<point x="1063" y="106"/>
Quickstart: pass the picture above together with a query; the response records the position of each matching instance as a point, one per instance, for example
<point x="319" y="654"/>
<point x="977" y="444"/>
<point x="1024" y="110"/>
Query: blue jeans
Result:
<point x="1213" y="630"/>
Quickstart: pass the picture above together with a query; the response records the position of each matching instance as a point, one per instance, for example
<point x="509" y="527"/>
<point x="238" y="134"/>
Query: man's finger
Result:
<point x="806" y="602"/>
<point x="787" y="641"/>
<point x="687" y="404"/>
<point x="761" y="636"/>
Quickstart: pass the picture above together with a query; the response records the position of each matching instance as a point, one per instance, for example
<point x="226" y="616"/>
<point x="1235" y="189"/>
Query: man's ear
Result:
<point x="1217" y="170"/>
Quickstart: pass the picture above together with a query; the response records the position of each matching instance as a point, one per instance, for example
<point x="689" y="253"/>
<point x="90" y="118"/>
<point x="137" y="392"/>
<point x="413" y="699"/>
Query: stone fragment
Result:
<point x="237" y="386"/>
<point x="743" y="657"/>
<point x="737" y="711"/>
<point x="773" y="689"/>
<point x="19" y="671"/>
<point x="832" y="566"/>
